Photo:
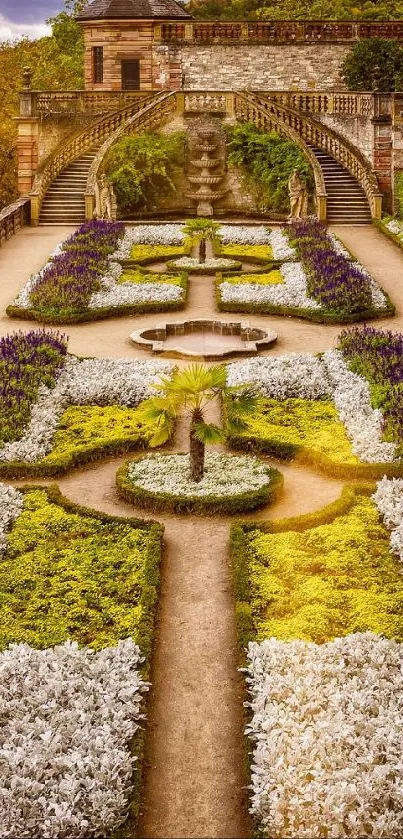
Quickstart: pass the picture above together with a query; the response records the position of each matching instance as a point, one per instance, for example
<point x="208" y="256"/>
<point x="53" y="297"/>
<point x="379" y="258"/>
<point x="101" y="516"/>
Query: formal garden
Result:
<point x="318" y="595"/>
<point x="201" y="420"/>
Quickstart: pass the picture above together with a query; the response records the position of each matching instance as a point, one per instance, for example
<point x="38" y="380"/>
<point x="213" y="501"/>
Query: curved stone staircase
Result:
<point x="346" y="200"/>
<point x="64" y="201"/>
<point x="346" y="187"/>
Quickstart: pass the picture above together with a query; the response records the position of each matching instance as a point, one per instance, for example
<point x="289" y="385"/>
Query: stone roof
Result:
<point x="133" y="9"/>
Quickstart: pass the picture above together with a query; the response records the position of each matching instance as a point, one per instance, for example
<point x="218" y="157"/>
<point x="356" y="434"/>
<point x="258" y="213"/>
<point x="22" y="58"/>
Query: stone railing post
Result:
<point x="89" y="206"/>
<point x="321" y="206"/>
<point x="27" y="141"/>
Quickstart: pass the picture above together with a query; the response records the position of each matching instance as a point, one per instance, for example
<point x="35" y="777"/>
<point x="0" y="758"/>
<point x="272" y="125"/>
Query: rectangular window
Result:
<point x="98" y="65"/>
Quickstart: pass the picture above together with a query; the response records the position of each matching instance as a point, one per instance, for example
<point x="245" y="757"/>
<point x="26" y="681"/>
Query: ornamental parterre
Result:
<point x="311" y="377"/>
<point x="86" y="382"/>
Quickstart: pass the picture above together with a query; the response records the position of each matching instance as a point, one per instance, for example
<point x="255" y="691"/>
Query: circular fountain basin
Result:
<point x="204" y="339"/>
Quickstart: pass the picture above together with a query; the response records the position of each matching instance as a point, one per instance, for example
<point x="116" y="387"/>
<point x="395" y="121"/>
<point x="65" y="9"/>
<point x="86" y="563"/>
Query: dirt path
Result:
<point x="194" y="783"/>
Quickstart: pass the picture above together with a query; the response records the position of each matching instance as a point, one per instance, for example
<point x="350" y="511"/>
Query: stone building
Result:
<point x="149" y="64"/>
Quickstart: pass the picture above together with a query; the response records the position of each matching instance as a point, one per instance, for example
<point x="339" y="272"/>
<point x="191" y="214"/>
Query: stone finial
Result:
<point x="27" y="78"/>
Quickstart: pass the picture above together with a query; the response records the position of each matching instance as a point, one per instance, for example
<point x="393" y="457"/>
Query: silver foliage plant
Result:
<point x="68" y="716"/>
<point x="327" y="733"/>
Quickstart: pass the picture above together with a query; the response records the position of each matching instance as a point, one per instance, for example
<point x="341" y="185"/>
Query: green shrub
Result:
<point x="374" y="64"/>
<point x="72" y="573"/>
<point x="143" y="167"/>
<point x="267" y="161"/>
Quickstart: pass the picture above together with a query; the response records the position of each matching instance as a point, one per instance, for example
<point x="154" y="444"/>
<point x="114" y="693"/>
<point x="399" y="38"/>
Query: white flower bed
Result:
<point x="280" y="245"/>
<point x="283" y="377"/>
<point x="327" y="729"/>
<point x="293" y="292"/>
<point x="120" y="294"/>
<point x="68" y="715"/>
<point x="388" y="498"/>
<point x="238" y="234"/>
<point x="351" y="395"/>
<point x="189" y="263"/>
<point x="149" y="234"/>
<point x="224" y="475"/>
<point x="11" y="504"/>
<point x="92" y="381"/>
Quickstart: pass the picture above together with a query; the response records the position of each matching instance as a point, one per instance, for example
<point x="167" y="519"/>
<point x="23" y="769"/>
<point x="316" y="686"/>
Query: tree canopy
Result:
<point x="374" y="64"/>
<point x="297" y="9"/>
<point x="57" y="64"/>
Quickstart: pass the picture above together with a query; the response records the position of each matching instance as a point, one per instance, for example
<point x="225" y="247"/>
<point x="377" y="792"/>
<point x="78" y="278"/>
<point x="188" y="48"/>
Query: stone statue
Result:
<point x="105" y="199"/>
<point x="298" y="196"/>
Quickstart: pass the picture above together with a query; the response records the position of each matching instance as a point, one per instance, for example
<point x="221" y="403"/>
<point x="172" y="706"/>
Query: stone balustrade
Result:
<point x="42" y="103"/>
<point x="282" y="31"/>
<point x="13" y="217"/>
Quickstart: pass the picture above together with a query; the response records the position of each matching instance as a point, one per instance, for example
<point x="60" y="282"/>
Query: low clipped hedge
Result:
<point x="314" y="315"/>
<point x="102" y="313"/>
<point x="210" y="504"/>
<point x="289" y="451"/>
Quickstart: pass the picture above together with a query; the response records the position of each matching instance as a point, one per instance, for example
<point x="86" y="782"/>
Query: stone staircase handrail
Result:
<point x="315" y="133"/>
<point x="80" y="142"/>
<point x="147" y="117"/>
<point x="247" y="108"/>
<point x="338" y="103"/>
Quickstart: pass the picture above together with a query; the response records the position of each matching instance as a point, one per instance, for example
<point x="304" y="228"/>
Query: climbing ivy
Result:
<point x="143" y="168"/>
<point x="267" y="161"/>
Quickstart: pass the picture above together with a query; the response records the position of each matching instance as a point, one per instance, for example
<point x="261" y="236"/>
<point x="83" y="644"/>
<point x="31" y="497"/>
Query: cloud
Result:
<point x="10" y="30"/>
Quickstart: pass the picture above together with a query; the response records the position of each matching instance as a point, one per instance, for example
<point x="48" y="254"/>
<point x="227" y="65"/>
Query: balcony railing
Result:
<point x="13" y="217"/>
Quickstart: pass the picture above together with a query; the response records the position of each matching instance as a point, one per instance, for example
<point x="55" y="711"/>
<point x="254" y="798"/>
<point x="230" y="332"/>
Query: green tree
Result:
<point x="267" y="161"/>
<point x="374" y="64"/>
<point x="143" y="167"/>
<point x="201" y="230"/>
<point x="193" y="389"/>
<point x="56" y="62"/>
<point x="297" y="9"/>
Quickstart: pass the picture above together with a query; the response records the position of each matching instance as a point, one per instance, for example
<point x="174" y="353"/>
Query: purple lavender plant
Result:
<point x="378" y="356"/>
<point x="27" y="360"/>
<point x="333" y="280"/>
<point x="73" y="276"/>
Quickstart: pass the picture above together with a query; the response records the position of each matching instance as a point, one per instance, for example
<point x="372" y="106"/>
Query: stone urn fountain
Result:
<point x="209" y="172"/>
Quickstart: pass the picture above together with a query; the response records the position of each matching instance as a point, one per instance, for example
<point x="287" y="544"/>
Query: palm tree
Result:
<point x="201" y="230"/>
<point x="193" y="389"/>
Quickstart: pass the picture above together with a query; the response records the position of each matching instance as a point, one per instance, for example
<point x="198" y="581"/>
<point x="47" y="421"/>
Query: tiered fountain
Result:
<point x="206" y="164"/>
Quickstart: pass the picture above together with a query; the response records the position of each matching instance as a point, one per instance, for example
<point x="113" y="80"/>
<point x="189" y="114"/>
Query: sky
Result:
<point x="26" y="17"/>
